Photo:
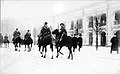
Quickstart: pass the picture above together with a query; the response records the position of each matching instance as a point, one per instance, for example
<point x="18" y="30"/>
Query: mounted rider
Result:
<point x="27" y="35"/>
<point x="63" y="31"/>
<point x="62" y="34"/>
<point x="16" y="34"/>
<point x="6" y="38"/>
<point x="45" y="32"/>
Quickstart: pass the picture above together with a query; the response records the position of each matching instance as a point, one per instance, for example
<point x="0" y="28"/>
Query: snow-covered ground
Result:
<point x="88" y="61"/>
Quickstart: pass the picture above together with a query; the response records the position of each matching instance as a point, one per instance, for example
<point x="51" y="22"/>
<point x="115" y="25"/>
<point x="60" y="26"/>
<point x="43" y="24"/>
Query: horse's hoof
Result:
<point x="15" y="49"/>
<point x="44" y="57"/>
<point x="68" y="57"/>
<point x="41" y="52"/>
<point x="71" y="58"/>
<point x="52" y="57"/>
<point x="111" y="52"/>
<point x="57" y="56"/>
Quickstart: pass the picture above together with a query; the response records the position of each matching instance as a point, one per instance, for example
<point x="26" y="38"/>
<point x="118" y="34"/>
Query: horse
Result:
<point x="17" y="40"/>
<point x="6" y="42"/>
<point x="28" y="42"/>
<point x="64" y="41"/>
<point x="77" y="41"/>
<point x="44" y="42"/>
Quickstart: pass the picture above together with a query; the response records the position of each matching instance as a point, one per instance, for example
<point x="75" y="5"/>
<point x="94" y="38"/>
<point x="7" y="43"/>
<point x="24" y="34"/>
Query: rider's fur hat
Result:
<point x="62" y="24"/>
<point x="16" y="28"/>
<point x="45" y="23"/>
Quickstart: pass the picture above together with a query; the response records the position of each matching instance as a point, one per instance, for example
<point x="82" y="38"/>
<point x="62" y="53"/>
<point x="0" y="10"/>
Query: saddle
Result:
<point x="15" y="37"/>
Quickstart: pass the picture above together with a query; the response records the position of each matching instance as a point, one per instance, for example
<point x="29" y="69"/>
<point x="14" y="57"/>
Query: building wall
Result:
<point x="109" y="8"/>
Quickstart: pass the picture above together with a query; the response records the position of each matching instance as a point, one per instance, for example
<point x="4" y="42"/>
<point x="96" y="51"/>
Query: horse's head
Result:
<point x="56" y="32"/>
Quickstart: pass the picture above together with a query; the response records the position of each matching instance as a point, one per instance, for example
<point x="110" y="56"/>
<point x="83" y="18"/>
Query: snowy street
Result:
<point x="88" y="61"/>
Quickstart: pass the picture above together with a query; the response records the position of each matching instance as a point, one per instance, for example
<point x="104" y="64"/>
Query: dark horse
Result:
<point x="47" y="40"/>
<point x="77" y="41"/>
<point x="6" y="42"/>
<point x="16" y="41"/>
<point x="28" y="42"/>
<point x="64" y="41"/>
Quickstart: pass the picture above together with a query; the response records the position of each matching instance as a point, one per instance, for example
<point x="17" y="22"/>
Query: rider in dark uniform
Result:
<point x="16" y="34"/>
<point x="62" y="30"/>
<point x="27" y="35"/>
<point x="63" y="34"/>
<point x="45" y="31"/>
<point x="6" y="39"/>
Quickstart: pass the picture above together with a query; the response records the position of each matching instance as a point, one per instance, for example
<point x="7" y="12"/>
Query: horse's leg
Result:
<point x="42" y="51"/>
<point x="111" y="51"/>
<point x="60" y="49"/>
<point x="19" y="47"/>
<point x="45" y="51"/>
<point x="117" y="51"/>
<point x="79" y="45"/>
<point x="51" y="46"/>
<point x="71" y="53"/>
<point x="39" y="48"/>
<point x="57" y="52"/>
<point x="15" y="46"/>
<point x="29" y="48"/>
<point x="79" y="49"/>
<point x="8" y="44"/>
<point x="25" y="47"/>
<point x="31" y="45"/>
<point x="73" y="49"/>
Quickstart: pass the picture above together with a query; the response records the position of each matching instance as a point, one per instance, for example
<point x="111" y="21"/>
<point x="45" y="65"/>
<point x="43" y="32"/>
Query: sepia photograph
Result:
<point x="60" y="37"/>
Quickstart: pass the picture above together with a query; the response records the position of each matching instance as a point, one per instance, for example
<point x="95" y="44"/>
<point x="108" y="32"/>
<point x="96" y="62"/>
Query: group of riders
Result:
<point x="45" y="35"/>
<point x="45" y="31"/>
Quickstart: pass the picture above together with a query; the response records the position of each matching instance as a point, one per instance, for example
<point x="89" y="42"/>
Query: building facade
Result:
<point x="83" y="21"/>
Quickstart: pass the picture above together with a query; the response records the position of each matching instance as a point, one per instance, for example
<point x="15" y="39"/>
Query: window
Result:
<point x="117" y="17"/>
<point x="103" y="20"/>
<point x="79" y="23"/>
<point x="90" y="21"/>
